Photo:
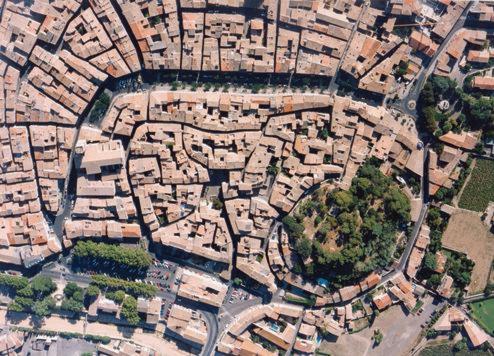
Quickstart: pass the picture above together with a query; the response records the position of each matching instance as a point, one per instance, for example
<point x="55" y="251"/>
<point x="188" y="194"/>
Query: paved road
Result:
<point x="332" y="85"/>
<point x="212" y="324"/>
<point x="477" y="297"/>
<point x="414" y="92"/>
<point x="411" y="242"/>
<point x="85" y="280"/>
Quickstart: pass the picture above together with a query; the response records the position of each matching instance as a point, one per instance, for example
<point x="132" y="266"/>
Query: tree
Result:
<point x="434" y="281"/>
<point x="21" y="304"/>
<point x="15" y="307"/>
<point x="303" y="247"/>
<point x="460" y="345"/>
<point x="348" y="223"/>
<point x="92" y="291"/>
<point x="42" y="286"/>
<point x="42" y="308"/>
<point x="72" y="305"/>
<point x="324" y="133"/>
<point x="479" y="111"/>
<point x="434" y="219"/>
<point x="343" y="199"/>
<point x="378" y="337"/>
<point x="489" y="288"/>
<point x="402" y="69"/>
<point x="442" y="85"/>
<point x="129" y="310"/>
<point x="427" y="95"/>
<point x="294" y="229"/>
<point x="136" y="289"/>
<point x="72" y="288"/>
<point x="317" y="220"/>
<point x="217" y="203"/>
<point x="430" y="261"/>
<point x="86" y="251"/>
<point x="273" y="169"/>
<point x="117" y="296"/>
<point x="362" y="187"/>
<point x="26" y="292"/>
<point x="429" y="114"/>
<point x="397" y="205"/>
<point x="431" y="333"/>
<point x="100" y="107"/>
<point x="14" y="282"/>
<point x="323" y="232"/>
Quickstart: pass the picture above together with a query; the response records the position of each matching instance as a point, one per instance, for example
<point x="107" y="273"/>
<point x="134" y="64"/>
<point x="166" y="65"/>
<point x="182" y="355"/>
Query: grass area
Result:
<point x="447" y="350"/>
<point x="299" y="300"/>
<point x="468" y="234"/>
<point x="483" y="312"/>
<point x="359" y="325"/>
<point x="417" y="306"/>
<point x="480" y="188"/>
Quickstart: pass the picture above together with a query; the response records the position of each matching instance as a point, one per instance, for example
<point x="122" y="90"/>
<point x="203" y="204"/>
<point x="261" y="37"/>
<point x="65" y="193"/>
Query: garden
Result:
<point x="362" y="222"/>
<point x="483" y="312"/>
<point x="479" y="190"/>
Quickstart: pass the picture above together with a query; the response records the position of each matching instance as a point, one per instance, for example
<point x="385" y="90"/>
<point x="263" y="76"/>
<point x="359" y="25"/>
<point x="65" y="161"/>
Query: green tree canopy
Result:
<point x="42" y="286"/>
<point x="129" y="310"/>
<point x="14" y="282"/>
<point x="132" y="257"/>
<point x="397" y="205"/>
<point x="293" y="227"/>
<point x="92" y="291"/>
<point x="303" y="246"/>
<point x="44" y="307"/>
<point x="72" y="305"/>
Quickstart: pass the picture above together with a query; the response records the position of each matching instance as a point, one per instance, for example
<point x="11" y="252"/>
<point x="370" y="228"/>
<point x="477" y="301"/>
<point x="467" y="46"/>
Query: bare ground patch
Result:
<point x="401" y="333"/>
<point x="466" y="233"/>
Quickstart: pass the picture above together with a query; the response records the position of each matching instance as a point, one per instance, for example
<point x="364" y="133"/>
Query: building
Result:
<point x="202" y="288"/>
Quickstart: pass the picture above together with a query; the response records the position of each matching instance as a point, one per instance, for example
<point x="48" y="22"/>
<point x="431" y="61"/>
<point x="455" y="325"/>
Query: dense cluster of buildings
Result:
<point x="454" y="319"/>
<point x="109" y="310"/>
<point x="269" y="148"/>
<point x="179" y="139"/>
<point x="273" y="323"/>
<point x="307" y="37"/>
<point x="25" y="234"/>
<point x="208" y="174"/>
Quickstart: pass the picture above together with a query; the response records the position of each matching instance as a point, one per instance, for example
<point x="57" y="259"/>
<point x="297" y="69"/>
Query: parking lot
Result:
<point x="238" y="295"/>
<point x="161" y="274"/>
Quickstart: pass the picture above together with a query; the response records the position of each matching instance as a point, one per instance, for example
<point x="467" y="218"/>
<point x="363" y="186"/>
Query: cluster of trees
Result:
<point x="265" y="343"/>
<point x="34" y="297"/>
<point x="446" y="195"/>
<point x="98" y="255"/>
<point x="365" y="219"/>
<point x="13" y="282"/>
<point x="477" y="110"/>
<point x="129" y="310"/>
<point x="437" y="223"/>
<point x="117" y="296"/>
<point x="402" y="69"/>
<point x="73" y="298"/>
<point x="377" y="337"/>
<point x="136" y="289"/>
<point x="457" y="266"/>
<point x="437" y="88"/>
<point x="100" y="107"/>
